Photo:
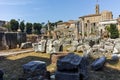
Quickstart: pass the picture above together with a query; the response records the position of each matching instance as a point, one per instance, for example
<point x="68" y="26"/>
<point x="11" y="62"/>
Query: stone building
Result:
<point x="68" y="29"/>
<point x="90" y="22"/>
<point x="85" y="26"/>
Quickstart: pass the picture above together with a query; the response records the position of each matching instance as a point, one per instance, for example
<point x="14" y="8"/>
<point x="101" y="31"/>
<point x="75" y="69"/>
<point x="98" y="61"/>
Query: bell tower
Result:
<point x="97" y="8"/>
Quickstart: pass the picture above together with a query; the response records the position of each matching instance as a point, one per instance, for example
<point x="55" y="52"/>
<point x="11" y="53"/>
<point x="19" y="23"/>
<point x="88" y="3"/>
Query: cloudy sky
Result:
<point x="53" y="10"/>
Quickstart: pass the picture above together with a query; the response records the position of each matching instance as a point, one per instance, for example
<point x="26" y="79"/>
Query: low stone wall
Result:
<point x="2" y="42"/>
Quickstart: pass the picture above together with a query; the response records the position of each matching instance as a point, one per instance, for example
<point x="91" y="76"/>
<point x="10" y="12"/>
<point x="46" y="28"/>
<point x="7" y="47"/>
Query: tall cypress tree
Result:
<point x="22" y="26"/>
<point x="29" y="28"/>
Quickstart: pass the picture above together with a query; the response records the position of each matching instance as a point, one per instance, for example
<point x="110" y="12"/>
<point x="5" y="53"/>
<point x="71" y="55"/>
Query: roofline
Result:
<point x="91" y="15"/>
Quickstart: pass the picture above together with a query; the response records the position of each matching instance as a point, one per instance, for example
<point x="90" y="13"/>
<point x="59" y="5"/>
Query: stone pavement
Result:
<point x="8" y="53"/>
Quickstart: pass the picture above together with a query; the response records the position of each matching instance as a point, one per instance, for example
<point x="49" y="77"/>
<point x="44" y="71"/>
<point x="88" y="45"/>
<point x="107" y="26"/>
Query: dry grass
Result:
<point x="12" y="66"/>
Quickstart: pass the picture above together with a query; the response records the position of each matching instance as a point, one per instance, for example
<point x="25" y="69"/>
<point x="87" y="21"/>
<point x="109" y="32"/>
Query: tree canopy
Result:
<point x="14" y="25"/>
<point x="37" y="28"/>
<point x="114" y="33"/>
<point x="30" y="28"/>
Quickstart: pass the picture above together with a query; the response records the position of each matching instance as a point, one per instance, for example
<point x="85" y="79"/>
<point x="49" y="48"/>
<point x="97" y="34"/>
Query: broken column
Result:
<point x="49" y="46"/>
<point x="56" y="46"/>
<point x="42" y="46"/>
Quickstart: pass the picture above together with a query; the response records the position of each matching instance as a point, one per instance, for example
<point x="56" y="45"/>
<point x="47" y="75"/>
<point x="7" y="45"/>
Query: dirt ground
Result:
<point x="12" y="66"/>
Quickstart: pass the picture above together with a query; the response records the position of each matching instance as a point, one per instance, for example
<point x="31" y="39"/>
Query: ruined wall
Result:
<point x="11" y="39"/>
<point x="2" y="46"/>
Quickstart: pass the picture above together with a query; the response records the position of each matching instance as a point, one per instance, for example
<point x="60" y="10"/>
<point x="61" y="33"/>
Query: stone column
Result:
<point x="76" y="31"/>
<point x="80" y="30"/>
<point x="83" y="32"/>
<point x="88" y="28"/>
<point x="48" y="26"/>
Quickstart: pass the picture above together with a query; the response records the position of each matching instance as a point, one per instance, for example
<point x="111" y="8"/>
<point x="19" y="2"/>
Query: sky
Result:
<point x="53" y="10"/>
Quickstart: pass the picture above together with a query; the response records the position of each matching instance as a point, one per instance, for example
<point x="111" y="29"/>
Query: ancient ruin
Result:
<point x="71" y="50"/>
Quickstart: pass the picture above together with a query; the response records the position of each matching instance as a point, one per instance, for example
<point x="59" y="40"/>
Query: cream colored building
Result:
<point x="91" y="21"/>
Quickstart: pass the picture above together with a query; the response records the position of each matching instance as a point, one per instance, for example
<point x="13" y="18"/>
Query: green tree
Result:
<point x="29" y="28"/>
<point x="14" y="25"/>
<point x="114" y="33"/>
<point x="37" y="28"/>
<point x="22" y="26"/>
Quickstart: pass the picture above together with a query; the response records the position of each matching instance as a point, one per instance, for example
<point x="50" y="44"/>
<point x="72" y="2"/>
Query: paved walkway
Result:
<point x="2" y="53"/>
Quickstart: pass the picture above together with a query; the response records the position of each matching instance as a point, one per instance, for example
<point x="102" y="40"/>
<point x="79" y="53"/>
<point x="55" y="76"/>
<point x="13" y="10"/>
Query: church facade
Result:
<point x="90" y="23"/>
